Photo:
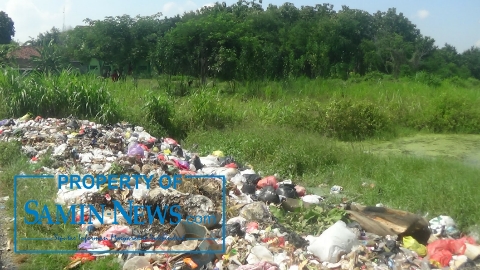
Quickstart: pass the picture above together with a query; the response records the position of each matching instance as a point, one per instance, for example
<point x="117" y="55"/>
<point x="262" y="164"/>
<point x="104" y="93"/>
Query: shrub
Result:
<point x="159" y="112"/>
<point x="205" y="109"/>
<point x="451" y="113"/>
<point x="347" y="120"/>
<point x="428" y="79"/>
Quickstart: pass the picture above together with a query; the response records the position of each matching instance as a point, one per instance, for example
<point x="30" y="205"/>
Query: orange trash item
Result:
<point x="190" y="263"/>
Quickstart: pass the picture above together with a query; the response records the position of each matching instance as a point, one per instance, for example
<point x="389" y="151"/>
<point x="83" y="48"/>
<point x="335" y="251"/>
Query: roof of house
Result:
<point x="25" y="52"/>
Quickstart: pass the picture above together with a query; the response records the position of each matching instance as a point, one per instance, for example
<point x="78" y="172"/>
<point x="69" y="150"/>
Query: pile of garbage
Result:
<point x="372" y="237"/>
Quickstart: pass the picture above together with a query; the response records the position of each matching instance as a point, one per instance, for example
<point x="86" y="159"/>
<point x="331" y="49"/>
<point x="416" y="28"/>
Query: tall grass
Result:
<point x="56" y="95"/>
<point x="356" y="109"/>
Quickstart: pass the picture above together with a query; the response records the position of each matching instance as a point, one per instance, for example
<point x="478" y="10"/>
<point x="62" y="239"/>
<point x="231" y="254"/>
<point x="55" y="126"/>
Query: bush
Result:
<point x="348" y="120"/>
<point x="205" y="109"/>
<point x="373" y="76"/>
<point x="457" y="81"/>
<point x="428" y="79"/>
<point x="451" y="113"/>
<point x="159" y="112"/>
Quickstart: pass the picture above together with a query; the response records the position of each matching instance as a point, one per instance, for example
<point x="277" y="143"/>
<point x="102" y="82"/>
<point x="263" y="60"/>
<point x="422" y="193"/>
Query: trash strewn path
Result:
<point x="271" y="222"/>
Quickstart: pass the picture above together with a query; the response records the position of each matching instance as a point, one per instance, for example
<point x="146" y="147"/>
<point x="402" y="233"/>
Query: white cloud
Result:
<point x="174" y="8"/>
<point x="477" y="43"/>
<point x="422" y="14"/>
<point x="31" y="17"/>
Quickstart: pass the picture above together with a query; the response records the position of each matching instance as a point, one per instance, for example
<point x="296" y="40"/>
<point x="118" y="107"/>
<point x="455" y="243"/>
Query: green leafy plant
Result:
<point x="309" y="220"/>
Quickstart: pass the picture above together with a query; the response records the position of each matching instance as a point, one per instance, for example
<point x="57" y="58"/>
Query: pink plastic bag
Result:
<point x="301" y="191"/>
<point x="182" y="164"/>
<point x="117" y="230"/>
<point x="170" y="141"/>
<point x="251" y="227"/>
<point x="268" y="181"/>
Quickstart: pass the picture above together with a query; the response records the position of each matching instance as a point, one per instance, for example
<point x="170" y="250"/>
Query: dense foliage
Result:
<point x="244" y="41"/>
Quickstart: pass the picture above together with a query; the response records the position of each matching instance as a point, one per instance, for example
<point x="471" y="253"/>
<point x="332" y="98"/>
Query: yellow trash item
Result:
<point x="127" y="135"/>
<point x="26" y="117"/>
<point x="412" y="244"/>
<point x="155" y="149"/>
<point x="218" y="153"/>
<point x="167" y="151"/>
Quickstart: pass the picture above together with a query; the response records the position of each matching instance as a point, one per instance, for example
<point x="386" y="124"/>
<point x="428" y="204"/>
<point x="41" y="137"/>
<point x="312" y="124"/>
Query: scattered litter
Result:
<point x="361" y="237"/>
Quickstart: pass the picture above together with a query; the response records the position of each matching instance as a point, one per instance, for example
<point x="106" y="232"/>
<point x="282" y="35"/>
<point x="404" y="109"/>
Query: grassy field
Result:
<point x="306" y="130"/>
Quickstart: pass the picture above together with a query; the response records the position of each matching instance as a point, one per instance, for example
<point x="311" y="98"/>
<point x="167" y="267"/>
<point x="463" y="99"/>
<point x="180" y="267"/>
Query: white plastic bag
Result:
<point x="332" y="243"/>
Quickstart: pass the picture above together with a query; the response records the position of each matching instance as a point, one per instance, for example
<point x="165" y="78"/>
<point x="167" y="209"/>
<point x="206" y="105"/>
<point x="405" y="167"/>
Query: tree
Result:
<point x="7" y="28"/>
<point x="44" y="38"/>
<point x="50" y="60"/>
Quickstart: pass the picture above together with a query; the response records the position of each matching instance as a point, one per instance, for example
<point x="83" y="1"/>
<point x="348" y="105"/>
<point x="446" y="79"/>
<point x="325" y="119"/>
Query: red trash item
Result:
<point x="170" y="141"/>
<point x="441" y="258"/>
<point x="85" y="218"/>
<point x="38" y="118"/>
<point x="231" y="165"/>
<point x="143" y="146"/>
<point x="458" y="247"/>
<point x="251" y="226"/>
<point x="182" y="165"/>
<point x="268" y="181"/>
<point x="106" y="243"/>
<point x="152" y="140"/>
<point x="83" y="257"/>
<point x="301" y="191"/>
<point x="161" y="157"/>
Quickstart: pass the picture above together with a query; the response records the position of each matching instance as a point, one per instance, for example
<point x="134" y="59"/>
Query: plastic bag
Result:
<point x="332" y="243"/>
<point x="182" y="164"/>
<point x="443" y="225"/>
<point x="218" y="153"/>
<point x="249" y="188"/>
<point x="412" y="244"/>
<point x="441" y="258"/>
<point x="170" y="141"/>
<point x="197" y="163"/>
<point x="267" y="194"/>
<point x="301" y="191"/>
<point x="268" y="181"/>
<point x="287" y="190"/>
<point x="234" y="229"/>
<point x="226" y="160"/>
<point x="136" y="150"/>
<point x="252" y="178"/>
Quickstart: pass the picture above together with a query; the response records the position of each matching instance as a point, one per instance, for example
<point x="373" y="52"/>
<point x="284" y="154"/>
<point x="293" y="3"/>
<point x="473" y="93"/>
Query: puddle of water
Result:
<point x="455" y="146"/>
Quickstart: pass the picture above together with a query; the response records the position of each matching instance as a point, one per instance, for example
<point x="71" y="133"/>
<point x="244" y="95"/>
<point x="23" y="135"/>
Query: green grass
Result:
<point x="302" y="129"/>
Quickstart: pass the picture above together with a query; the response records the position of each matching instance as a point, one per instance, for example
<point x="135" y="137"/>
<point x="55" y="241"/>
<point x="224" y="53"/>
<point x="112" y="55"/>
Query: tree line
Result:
<point x="245" y="41"/>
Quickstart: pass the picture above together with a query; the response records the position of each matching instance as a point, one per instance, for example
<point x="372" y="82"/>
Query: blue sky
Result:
<point x="453" y="22"/>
